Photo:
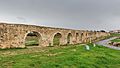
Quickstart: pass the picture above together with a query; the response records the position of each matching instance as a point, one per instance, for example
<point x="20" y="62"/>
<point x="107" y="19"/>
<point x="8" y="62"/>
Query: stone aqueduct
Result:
<point x="13" y="35"/>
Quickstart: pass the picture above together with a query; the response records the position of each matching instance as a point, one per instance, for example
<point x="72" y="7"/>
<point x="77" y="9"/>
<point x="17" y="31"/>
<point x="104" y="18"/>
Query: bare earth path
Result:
<point x="105" y="43"/>
<point x="28" y="50"/>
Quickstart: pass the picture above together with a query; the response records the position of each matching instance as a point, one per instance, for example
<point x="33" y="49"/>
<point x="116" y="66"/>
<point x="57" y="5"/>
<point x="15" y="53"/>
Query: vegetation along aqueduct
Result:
<point x="14" y="35"/>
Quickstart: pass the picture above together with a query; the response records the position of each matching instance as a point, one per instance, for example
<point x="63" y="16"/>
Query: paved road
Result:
<point x="105" y="43"/>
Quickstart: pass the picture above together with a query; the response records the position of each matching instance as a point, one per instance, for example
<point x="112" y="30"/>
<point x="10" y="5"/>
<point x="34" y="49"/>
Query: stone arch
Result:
<point x="82" y="37"/>
<point x="57" y="39"/>
<point x="89" y="37"/>
<point x="69" y="38"/>
<point x="33" y="38"/>
<point x="77" y="38"/>
<point x="86" y="37"/>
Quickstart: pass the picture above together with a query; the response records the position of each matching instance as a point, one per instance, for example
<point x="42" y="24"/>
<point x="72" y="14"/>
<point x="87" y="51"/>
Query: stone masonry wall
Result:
<point x="13" y="35"/>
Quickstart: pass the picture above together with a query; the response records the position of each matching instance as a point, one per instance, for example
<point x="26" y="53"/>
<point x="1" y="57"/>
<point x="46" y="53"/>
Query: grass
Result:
<point x="62" y="57"/>
<point x="115" y="40"/>
<point x="114" y="34"/>
<point x="111" y="35"/>
<point x="56" y="41"/>
<point x="70" y="56"/>
<point x="32" y="41"/>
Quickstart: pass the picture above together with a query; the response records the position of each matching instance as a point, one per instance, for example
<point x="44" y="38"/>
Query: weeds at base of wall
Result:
<point x="13" y="48"/>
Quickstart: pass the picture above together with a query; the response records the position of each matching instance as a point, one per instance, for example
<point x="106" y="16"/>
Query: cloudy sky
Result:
<point x="75" y="14"/>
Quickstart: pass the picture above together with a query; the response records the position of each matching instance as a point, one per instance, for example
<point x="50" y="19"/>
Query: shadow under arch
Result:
<point x="69" y="38"/>
<point x="77" y="38"/>
<point x="33" y="38"/>
<point x="56" y="39"/>
<point x="82" y="37"/>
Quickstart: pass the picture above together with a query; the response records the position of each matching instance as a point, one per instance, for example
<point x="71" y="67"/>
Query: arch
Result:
<point x="33" y="38"/>
<point x="57" y="39"/>
<point x="77" y="38"/>
<point x="69" y="38"/>
<point x="87" y="37"/>
<point x="82" y="37"/>
<point x="86" y="34"/>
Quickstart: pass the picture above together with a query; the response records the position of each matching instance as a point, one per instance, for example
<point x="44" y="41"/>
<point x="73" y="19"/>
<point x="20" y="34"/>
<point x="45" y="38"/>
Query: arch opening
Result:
<point x="32" y="39"/>
<point x="57" y="39"/>
<point x="77" y="38"/>
<point x="82" y="38"/>
<point x="69" y="38"/>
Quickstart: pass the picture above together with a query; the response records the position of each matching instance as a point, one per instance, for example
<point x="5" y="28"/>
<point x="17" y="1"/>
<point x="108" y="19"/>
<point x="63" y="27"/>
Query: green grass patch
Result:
<point x="64" y="57"/>
<point x="115" y="40"/>
<point x="31" y="43"/>
<point x="114" y="34"/>
<point x="56" y="41"/>
<point x="111" y="35"/>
